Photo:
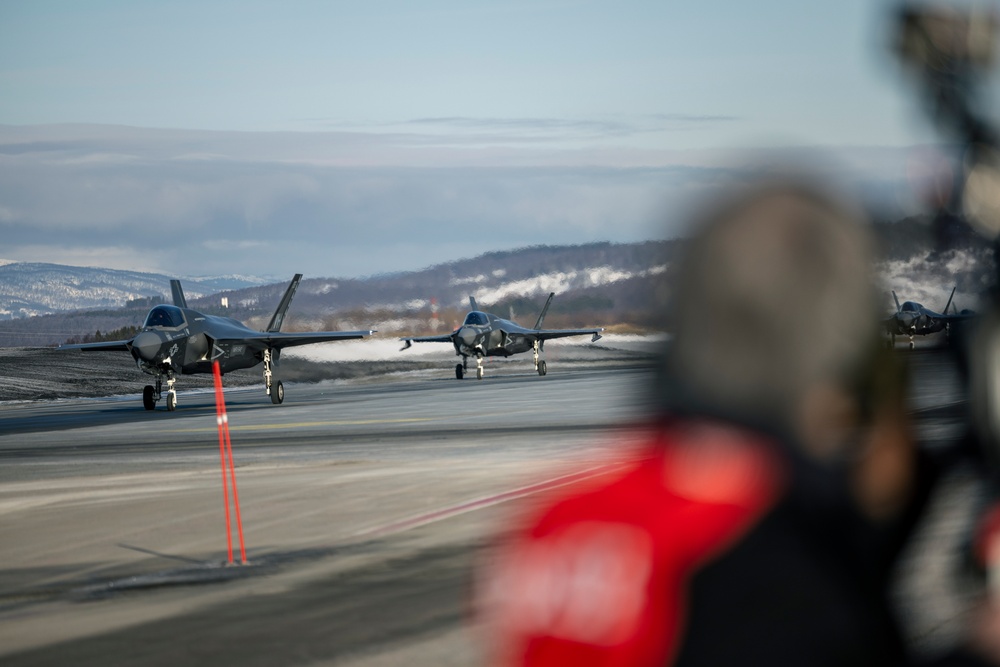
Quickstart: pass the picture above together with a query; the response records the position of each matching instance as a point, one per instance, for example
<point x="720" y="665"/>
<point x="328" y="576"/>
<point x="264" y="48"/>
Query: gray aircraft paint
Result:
<point x="176" y="340"/>
<point x="487" y="335"/>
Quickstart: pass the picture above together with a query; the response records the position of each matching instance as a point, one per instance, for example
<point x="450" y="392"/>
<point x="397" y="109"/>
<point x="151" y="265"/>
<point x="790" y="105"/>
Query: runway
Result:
<point x="365" y="505"/>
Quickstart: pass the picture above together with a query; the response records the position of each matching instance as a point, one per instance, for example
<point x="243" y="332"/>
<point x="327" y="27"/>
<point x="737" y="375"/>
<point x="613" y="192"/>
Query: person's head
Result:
<point x="772" y="311"/>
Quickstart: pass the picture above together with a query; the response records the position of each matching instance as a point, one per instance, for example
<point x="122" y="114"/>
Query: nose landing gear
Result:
<point x="151" y="395"/>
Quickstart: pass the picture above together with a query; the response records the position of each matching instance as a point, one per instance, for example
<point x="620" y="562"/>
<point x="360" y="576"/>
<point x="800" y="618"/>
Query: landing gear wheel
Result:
<point x="277" y="393"/>
<point x="459" y="372"/>
<point x="171" y="400"/>
<point x="479" y="373"/>
<point x="541" y="368"/>
<point x="148" y="401"/>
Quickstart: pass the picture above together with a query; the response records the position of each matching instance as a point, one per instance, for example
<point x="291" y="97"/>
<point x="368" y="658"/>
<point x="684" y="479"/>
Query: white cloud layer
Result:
<point x="349" y="203"/>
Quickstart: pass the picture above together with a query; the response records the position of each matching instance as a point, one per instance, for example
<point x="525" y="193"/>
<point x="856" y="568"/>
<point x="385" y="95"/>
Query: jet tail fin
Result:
<point x="952" y="296"/>
<point x="545" y="310"/>
<point x="472" y="303"/>
<point x="896" y="300"/>
<point x="279" y="315"/>
<point x="178" y="293"/>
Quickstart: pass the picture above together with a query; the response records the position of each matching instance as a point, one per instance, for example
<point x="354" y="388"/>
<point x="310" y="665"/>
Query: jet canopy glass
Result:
<point x="165" y="316"/>
<point x="909" y="307"/>
<point x="477" y="318"/>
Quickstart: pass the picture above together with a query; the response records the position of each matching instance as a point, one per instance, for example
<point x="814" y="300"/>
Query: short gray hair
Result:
<point x="772" y="295"/>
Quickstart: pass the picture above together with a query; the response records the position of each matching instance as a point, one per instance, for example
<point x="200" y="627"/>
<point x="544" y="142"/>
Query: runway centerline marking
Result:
<point x="343" y="422"/>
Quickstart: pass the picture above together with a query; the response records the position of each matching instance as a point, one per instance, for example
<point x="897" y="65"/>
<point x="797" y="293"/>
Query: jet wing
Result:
<point x="548" y="334"/>
<point x="106" y="346"/>
<point x="276" y="340"/>
<point x="447" y="338"/>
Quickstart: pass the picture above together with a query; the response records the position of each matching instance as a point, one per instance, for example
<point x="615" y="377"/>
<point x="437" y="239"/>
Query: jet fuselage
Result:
<point x="484" y="334"/>
<point x="184" y="341"/>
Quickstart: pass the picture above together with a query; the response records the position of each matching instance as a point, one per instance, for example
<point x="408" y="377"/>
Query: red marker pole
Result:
<point x="223" y="422"/>
<point x="236" y="494"/>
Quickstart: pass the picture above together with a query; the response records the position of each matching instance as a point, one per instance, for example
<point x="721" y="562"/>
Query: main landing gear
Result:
<point x="539" y="364"/>
<point x="151" y="395"/>
<point x="462" y="368"/>
<point x="274" y="389"/>
<point x="891" y="343"/>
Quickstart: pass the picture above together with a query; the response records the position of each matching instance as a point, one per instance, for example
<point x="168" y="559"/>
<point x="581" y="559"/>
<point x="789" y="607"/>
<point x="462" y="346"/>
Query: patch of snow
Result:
<point x="473" y="280"/>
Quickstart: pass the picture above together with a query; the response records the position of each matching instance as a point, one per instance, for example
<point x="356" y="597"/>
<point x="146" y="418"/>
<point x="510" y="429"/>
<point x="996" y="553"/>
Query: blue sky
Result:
<point x="364" y="137"/>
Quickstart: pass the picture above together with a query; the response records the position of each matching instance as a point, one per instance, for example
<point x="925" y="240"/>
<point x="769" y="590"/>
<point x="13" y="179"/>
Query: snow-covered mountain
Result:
<point x="29" y="289"/>
<point x="598" y="284"/>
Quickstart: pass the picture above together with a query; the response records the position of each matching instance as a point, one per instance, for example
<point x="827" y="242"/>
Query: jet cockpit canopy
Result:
<point x="477" y="318"/>
<point x="164" y="316"/>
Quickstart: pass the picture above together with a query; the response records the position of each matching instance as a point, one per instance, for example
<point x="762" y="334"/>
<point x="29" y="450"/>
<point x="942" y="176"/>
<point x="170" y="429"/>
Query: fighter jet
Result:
<point x="913" y="319"/>
<point x="486" y="335"/>
<point x="175" y="339"/>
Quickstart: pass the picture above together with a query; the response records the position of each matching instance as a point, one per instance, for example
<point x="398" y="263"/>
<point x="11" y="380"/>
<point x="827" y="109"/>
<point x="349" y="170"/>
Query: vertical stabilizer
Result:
<point x="545" y="309"/>
<point x="279" y="315"/>
<point x="472" y="303"/>
<point x="896" y="300"/>
<point x="952" y="296"/>
<point x="178" y="294"/>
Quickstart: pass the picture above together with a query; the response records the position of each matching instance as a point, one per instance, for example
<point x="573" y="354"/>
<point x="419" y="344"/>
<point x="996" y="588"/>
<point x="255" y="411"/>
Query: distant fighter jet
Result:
<point x="175" y="339"/>
<point x="913" y="319"/>
<point x="486" y="335"/>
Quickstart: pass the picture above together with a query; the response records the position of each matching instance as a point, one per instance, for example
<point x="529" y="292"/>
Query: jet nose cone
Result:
<point x="146" y="345"/>
<point x="468" y="336"/>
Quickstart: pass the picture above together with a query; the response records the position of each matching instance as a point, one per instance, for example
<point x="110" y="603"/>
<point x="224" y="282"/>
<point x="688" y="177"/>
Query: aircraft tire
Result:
<point x="277" y="393"/>
<point x="171" y="401"/>
<point x="541" y="368"/>
<point x="148" y="401"/>
<point x="459" y="372"/>
<point x="479" y="373"/>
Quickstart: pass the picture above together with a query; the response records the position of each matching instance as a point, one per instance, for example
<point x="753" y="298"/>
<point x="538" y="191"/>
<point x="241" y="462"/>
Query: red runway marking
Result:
<point x="468" y="506"/>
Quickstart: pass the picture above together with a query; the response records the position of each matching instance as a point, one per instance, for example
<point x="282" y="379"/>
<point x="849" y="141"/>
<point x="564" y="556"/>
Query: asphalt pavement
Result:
<point x="365" y="504"/>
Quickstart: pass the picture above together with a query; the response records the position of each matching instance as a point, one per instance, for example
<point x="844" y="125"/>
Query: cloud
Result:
<point x="332" y="204"/>
<point x="531" y="125"/>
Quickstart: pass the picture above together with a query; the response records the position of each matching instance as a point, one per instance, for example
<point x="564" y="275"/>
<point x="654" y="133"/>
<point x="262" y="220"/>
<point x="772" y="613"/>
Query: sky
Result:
<point x="355" y="138"/>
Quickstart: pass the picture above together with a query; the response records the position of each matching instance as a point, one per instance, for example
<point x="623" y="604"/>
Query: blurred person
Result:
<point x="760" y="522"/>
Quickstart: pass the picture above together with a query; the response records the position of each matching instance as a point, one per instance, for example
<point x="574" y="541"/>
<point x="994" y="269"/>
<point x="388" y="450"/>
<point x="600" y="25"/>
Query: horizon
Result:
<point x="423" y="133"/>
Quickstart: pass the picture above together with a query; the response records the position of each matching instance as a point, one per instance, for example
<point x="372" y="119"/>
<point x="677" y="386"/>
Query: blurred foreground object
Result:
<point x="761" y="521"/>
<point x="952" y="51"/>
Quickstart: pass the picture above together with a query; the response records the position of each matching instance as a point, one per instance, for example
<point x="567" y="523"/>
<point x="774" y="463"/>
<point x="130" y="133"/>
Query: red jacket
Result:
<point x="602" y="576"/>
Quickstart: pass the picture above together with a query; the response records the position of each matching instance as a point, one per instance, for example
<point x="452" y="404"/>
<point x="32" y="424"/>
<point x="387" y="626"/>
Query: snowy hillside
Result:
<point x="29" y="289"/>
